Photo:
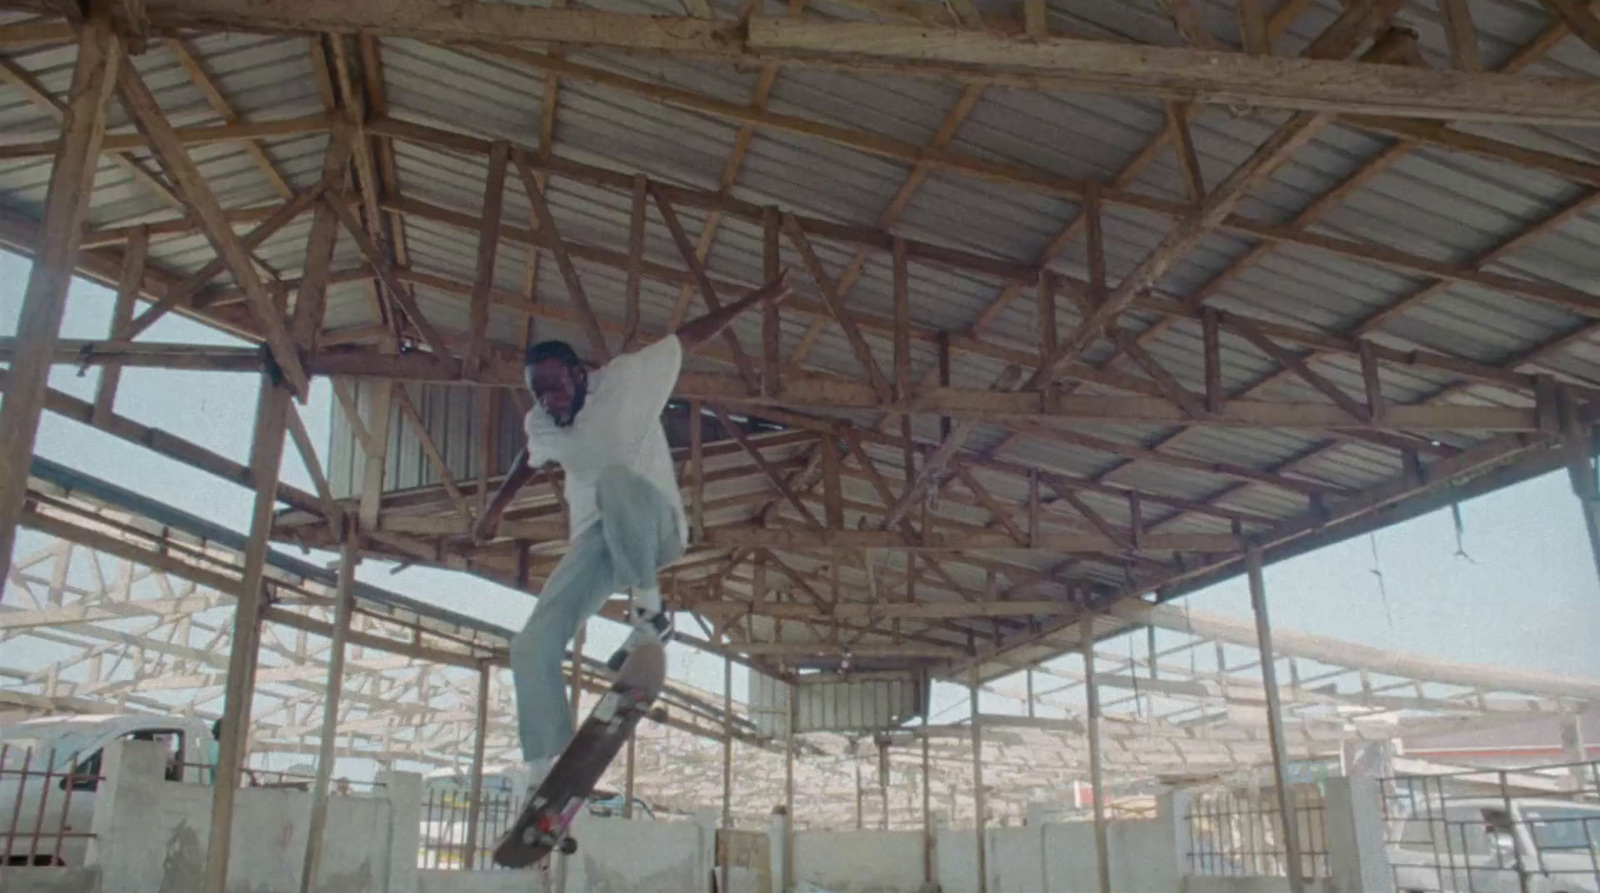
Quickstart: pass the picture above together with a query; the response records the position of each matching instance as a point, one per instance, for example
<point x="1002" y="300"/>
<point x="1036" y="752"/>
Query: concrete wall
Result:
<point x="151" y="834"/>
<point x="859" y="861"/>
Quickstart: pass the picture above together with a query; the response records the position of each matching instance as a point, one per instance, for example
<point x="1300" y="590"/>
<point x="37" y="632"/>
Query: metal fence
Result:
<point x="1239" y="833"/>
<point x="445" y="828"/>
<point x="1496" y="831"/>
<point x="43" y="825"/>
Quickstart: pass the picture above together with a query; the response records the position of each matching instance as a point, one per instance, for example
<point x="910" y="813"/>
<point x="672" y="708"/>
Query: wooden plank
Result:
<point x="1096" y="246"/>
<point x="1461" y="35"/>
<point x="430" y="449"/>
<point x="1369" y="377"/>
<point x="1211" y="345"/>
<point x="187" y="136"/>
<point x="1000" y="513"/>
<point x="494" y="194"/>
<point x="1192" y="405"/>
<point x="697" y="466"/>
<point x="45" y="296"/>
<point x="133" y="263"/>
<point x="1047" y="329"/>
<point x="569" y="273"/>
<point x="1296" y="365"/>
<point x="374" y="470"/>
<point x="1096" y="519"/>
<point x="266" y="454"/>
<point x="771" y="331"/>
<point x="767" y="471"/>
<point x="902" y="321"/>
<point x="830" y="296"/>
<point x="697" y="271"/>
<point x="308" y="457"/>
<point x="151" y="121"/>
<point x="1035" y="17"/>
<point x="36" y="31"/>
<point x="1577" y="17"/>
<point x="1253" y="34"/>
<point x="386" y="274"/>
<point x="833" y="498"/>
<point x="208" y="88"/>
<point x="183" y="294"/>
<point x="1183" y="146"/>
<point x="1187" y="21"/>
<point x="311" y="302"/>
<point x="636" y="223"/>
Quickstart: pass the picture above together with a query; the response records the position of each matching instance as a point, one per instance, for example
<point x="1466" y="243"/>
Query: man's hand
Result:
<point x="485" y="527"/>
<point x="696" y="332"/>
<point x="774" y="293"/>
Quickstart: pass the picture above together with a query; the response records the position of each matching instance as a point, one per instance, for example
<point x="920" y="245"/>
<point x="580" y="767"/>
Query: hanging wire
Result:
<point x="1461" y="548"/>
<point x="1377" y="571"/>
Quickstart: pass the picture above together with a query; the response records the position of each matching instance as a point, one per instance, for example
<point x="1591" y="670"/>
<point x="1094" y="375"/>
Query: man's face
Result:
<point x="558" y="388"/>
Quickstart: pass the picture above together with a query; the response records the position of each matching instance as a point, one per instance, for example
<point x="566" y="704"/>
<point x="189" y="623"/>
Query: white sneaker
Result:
<point x="650" y="623"/>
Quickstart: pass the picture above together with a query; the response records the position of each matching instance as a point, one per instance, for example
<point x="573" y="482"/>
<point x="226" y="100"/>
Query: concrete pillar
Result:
<point x="133" y="772"/>
<point x="1353" y="817"/>
<point x="1102" y="848"/>
<point x="404" y="793"/>
<point x="788" y="793"/>
<point x="1280" y="759"/>
<point x="1172" y="814"/>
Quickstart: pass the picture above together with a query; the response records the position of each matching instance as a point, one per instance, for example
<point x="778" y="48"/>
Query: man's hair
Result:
<point x="552" y="350"/>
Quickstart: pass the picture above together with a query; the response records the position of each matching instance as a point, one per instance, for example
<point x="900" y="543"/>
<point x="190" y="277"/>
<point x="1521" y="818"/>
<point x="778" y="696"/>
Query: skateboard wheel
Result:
<point x="568" y="845"/>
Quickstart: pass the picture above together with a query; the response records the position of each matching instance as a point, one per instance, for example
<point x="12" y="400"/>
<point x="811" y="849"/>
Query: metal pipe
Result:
<point x="1269" y="681"/>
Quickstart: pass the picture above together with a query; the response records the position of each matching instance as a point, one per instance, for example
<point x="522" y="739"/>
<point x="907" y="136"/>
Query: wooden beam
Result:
<point x="1183" y="146"/>
<point x="1461" y="35"/>
<point x="311" y="302"/>
<point x="1211" y="345"/>
<point x="386" y="275"/>
<point x="151" y="121"/>
<point x="697" y="271"/>
<point x="1192" y="405"/>
<point x="44" y="299"/>
<point x="187" y="136"/>
<point x="133" y="263"/>
<point x="1577" y="17"/>
<point x="494" y="194"/>
<point x="636" y="224"/>
<point x="830" y="296"/>
<point x="1253" y="35"/>
<point x="569" y="273"/>
<point x="902" y="320"/>
<point x="430" y="448"/>
<point x="771" y="332"/>
<point x="1299" y="368"/>
<point x="832" y="492"/>
<point x="766" y="468"/>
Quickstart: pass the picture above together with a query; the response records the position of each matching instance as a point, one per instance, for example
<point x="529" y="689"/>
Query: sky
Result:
<point x="1524" y="594"/>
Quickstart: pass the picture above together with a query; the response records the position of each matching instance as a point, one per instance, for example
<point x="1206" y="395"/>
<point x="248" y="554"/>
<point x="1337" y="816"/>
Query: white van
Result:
<point x="75" y="744"/>
<point x="1476" y="843"/>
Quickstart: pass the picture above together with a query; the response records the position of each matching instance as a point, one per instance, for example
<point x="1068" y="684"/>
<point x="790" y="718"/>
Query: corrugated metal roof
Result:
<point x="1435" y="204"/>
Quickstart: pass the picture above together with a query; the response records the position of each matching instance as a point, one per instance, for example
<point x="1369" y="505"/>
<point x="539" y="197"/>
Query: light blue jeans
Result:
<point x="637" y="534"/>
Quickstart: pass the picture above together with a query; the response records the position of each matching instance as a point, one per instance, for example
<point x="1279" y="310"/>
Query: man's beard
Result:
<point x="580" y="394"/>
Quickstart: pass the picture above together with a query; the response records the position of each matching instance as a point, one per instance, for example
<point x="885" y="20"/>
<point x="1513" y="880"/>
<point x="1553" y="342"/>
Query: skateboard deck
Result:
<point x="542" y="826"/>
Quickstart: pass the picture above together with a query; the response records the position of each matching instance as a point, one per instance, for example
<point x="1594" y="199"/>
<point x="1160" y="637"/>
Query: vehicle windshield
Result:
<point x="66" y="739"/>
<point x="1562" y="827"/>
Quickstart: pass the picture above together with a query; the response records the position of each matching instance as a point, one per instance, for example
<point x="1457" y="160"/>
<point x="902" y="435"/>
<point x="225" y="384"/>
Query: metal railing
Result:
<point x="1495" y="830"/>
<point x="445" y="826"/>
<point x="1239" y="833"/>
<point x="36" y="799"/>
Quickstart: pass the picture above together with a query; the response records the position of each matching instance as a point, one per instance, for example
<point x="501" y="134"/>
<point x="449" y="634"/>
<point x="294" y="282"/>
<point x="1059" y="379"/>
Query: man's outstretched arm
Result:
<point x="698" y="331"/>
<point x="484" y="528"/>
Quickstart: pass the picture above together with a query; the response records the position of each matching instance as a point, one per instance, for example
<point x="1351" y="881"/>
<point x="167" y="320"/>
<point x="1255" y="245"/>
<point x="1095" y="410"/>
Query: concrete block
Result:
<point x="402" y="793"/>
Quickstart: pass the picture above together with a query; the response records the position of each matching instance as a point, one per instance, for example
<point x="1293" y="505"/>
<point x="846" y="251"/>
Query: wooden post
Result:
<point x="902" y="322"/>
<point x="771" y="266"/>
<point x="349" y="557"/>
<point x="727" y="764"/>
<point x="1577" y="441"/>
<point x="928" y="851"/>
<point x="833" y="499"/>
<point x="66" y="203"/>
<point x="1102" y="854"/>
<point x="977" y="787"/>
<point x="1047" y="332"/>
<point x="133" y="258"/>
<point x="480" y="737"/>
<point x="883" y="779"/>
<point x="944" y="379"/>
<point x="1269" y="680"/>
<point x="1030" y="692"/>
<point x="266" y="455"/>
<point x="698" y="469"/>
<point x="788" y="791"/>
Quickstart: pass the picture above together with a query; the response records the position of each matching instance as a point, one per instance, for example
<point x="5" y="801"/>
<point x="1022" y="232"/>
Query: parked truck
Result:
<point x="50" y="771"/>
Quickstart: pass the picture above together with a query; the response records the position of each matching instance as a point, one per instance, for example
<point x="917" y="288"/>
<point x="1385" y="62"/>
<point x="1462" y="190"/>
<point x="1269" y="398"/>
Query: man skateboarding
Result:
<point x="626" y="515"/>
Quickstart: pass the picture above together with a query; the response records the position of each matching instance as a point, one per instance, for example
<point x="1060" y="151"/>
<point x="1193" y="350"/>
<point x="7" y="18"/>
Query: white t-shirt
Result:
<point x="619" y="424"/>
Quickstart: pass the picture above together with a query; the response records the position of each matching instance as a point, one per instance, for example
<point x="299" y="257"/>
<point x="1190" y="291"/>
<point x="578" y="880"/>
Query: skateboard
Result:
<point x="542" y="826"/>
